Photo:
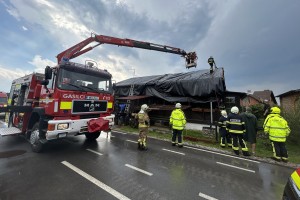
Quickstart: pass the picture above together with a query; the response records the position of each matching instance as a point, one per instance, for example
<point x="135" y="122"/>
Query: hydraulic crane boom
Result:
<point x="78" y="50"/>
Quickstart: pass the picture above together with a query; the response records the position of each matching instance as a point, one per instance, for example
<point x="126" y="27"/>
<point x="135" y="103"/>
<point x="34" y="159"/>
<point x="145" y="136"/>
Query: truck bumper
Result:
<point x="75" y="127"/>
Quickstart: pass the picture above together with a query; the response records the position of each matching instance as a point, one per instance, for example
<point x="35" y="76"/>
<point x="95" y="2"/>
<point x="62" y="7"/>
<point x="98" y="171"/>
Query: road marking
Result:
<point x="132" y="141"/>
<point x="174" y="151"/>
<point x="222" y="154"/>
<point x="248" y="170"/>
<point x="95" y="181"/>
<point x="120" y="132"/>
<point x="206" y="196"/>
<point x="96" y="152"/>
<point x="138" y="169"/>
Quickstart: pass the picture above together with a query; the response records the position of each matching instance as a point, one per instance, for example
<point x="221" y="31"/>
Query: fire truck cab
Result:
<point x="69" y="99"/>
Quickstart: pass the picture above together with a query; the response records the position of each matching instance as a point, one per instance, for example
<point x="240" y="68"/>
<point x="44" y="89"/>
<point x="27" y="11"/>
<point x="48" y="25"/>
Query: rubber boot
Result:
<point x="237" y="152"/>
<point x="246" y="153"/>
<point x="144" y="148"/>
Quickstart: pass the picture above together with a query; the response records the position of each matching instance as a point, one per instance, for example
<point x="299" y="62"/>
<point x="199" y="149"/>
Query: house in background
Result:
<point x="289" y="100"/>
<point x="258" y="97"/>
<point x="249" y="100"/>
<point x="233" y="99"/>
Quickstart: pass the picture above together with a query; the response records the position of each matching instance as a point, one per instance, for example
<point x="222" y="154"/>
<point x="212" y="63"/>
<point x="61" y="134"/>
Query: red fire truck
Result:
<point x="70" y="98"/>
<point x="3" y="102"/>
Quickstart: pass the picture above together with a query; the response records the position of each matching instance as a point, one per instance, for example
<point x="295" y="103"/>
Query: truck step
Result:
<point x="9" y="131"/>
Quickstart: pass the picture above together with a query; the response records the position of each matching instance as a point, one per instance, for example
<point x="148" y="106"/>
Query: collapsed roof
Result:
<point x="196" y="86"/>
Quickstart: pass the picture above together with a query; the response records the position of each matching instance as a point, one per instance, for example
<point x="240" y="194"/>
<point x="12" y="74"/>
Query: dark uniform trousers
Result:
<point x="236" y="139"/>
<point x="279" y="150"/>
<point x="177" y="134"/>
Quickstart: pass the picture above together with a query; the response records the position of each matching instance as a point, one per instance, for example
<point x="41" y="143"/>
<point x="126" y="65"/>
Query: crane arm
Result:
<point x="78" y="50"/>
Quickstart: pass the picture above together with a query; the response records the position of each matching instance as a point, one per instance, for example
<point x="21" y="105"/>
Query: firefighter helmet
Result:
<point x="275" y="110"/>
<point x="178" y="105"/>
<point x="224" y="113"/>
<point x="235" y="110"/>
<point x="144" y="107"/>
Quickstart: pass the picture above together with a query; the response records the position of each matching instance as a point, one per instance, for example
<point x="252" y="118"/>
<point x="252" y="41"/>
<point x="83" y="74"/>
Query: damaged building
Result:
<point x="202" y="94"/>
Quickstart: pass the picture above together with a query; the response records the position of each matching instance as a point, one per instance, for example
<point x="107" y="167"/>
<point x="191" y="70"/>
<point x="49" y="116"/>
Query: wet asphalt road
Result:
<point x="113" y="168"/>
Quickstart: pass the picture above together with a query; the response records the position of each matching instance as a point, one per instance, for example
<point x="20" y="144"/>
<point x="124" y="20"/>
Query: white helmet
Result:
<point x="144" y="107"/>
<point x="224" y="113"/>
<point x="178" y="105"/>
<point x="235" y="110"/>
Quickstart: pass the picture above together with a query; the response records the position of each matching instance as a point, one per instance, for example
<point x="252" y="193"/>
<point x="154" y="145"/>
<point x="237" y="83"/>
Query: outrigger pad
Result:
<point x="99" y="124"/>
<point x="10" y="131"/>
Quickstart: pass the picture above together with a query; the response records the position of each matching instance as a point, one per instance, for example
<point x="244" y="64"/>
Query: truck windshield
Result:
<point x="72" y="80"/>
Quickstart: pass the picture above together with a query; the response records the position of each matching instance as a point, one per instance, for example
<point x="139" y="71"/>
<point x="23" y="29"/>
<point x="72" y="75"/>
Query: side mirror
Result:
<point x="48" y="73"/>
<point x="45" y="82"/>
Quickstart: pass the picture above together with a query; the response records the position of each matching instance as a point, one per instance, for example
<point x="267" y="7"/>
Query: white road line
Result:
<point x="120" y="132"/>
<point x="221" y="154"/>
<point x="95" y="181"/>
<point x="132" y="141"/>
<point x="174" y="151"/>
<point x="248" y="170"/>
<point x="138" y="169"/>
<point x="96" y="152"/>
<point x="206" y="196"/>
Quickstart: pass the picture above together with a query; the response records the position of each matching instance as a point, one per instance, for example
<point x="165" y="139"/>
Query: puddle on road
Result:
<point x="13" y="153"/>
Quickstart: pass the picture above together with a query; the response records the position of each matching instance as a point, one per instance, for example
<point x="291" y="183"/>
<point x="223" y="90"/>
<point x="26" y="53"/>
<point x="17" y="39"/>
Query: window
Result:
<point x="72" y="80"/>
<point x="230" y="100"/>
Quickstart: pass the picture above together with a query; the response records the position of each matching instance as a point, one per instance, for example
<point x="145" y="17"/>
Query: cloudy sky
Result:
<point x="256" y="42"/>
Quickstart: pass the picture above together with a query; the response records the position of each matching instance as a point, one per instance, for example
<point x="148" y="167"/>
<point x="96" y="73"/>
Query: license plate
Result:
<point x="62" y="135"/>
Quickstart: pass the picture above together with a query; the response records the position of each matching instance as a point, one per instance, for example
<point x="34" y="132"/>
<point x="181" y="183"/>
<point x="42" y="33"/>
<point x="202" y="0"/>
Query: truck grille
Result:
<point x="89" y="106"/>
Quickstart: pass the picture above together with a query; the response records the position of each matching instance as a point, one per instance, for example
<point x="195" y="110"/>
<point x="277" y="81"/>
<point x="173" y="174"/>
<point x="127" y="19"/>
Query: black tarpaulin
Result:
<point x="196" y="86"/>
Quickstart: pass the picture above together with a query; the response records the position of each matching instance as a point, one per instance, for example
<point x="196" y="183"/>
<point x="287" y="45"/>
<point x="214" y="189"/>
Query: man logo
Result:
<point x="92" y="108"/>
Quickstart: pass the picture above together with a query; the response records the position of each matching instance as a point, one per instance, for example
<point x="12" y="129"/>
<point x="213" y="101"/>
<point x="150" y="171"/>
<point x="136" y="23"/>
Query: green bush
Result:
<point x="258" y="110"/>
<point x="292" y="116"/>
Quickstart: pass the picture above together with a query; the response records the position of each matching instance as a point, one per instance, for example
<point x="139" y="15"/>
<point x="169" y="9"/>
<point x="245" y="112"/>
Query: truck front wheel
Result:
<point x="35" y="142"/>
<point x="92" y="136"/>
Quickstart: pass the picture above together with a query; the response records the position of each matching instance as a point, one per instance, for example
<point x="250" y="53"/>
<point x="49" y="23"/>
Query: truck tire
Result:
<point x="92" y="136"/>
<point x="35" y="142"/>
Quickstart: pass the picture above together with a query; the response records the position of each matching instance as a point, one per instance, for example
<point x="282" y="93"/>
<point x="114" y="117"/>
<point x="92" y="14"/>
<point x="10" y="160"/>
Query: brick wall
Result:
<point x="289" y="102"/>
<point x="249" y="101"/>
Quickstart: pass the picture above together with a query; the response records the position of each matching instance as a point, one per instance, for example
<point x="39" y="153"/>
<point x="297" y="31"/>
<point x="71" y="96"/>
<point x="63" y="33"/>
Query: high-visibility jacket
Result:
<point x="277" y="128"/>
<point x="235" y="124"/>
<point x="177" y="119"/>
<point x="143" y="119"/>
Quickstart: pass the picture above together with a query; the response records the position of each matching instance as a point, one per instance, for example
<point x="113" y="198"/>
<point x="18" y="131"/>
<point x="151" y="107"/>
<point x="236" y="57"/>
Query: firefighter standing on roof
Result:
<point x="225" y="136"/>
<point x="236" y="127"/>
<point x="144" y="123"/>
<point x="278" y="130"/>
<point x="178" y="121"/>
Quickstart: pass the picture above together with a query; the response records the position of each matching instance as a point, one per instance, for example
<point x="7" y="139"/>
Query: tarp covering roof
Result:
<point x="195" y="86"/>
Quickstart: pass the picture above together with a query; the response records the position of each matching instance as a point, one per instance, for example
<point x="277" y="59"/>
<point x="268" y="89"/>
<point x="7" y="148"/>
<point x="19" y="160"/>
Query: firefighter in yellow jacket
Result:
<point x="177" y="121"/>
<point x="144" y="123"/>
<point x="278" y="130"/>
